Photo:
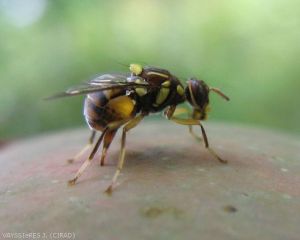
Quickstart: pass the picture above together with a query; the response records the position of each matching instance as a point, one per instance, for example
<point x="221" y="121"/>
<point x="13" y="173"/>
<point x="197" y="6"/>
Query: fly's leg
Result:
<point x="194" y="116"/>
<point x="131" y="124"/>
<point x="88" y="160"/>
<point x="193" y="122"/>
<point x="84" y="149"/>
<point x="207" y="145"/>
<point x="172" y="112"/>
<point x="108" y="138"/>
<point x="191" y="131"/>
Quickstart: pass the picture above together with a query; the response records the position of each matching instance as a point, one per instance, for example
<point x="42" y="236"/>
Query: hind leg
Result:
<point x="108" y="138"/>
<point x="111" y="127"/>
<point x="84" y="149"/>
<point x="88" y="160"/>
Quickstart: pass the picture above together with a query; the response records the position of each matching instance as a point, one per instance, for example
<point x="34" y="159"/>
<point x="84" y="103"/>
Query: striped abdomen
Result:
<point x="105" y="107"/>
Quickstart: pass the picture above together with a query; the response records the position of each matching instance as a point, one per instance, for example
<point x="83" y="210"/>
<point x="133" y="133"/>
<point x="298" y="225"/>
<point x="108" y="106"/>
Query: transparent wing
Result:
<point x="110" y="78"/>
<point x="101" y="83"/>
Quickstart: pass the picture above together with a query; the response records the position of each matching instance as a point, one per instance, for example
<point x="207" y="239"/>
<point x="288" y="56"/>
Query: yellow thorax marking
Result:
<point x="180" y="90"/>
<point x="136" y="69"/>
<point x="140" y="90"/>
<point x="161" y="96"/>
<point x="158" y="74"/>
<point x="163" y="93"/>
<point x="166" y="84"/>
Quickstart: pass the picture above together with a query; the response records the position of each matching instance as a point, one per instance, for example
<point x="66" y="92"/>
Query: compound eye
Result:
<point x="136" y="69"/>
<point x="197" y="93"/>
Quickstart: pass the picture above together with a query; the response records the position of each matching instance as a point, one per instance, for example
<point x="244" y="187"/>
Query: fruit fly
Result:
<point x="115" y="101"/>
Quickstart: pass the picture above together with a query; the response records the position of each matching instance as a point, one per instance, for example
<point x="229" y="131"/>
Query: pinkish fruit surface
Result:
<point x="170" y="187"/>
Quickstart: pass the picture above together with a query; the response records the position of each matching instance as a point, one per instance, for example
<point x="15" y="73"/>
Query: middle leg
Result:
<point x="88" y="160"/>
<point x="131" y="124"/>
<point x="84" y="149"/>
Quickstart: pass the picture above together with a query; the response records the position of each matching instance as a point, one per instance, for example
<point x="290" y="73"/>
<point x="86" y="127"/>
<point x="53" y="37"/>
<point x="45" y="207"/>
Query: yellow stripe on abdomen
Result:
<point x="123" y="106"/>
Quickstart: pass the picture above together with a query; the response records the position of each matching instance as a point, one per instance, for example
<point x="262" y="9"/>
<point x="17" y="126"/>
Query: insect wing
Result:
<point x="109" y="79"/>
<point x="102" y="83"/>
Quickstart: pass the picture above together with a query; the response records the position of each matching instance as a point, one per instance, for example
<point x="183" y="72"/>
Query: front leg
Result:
<point x="193" y="122"/>
<point x="172" y="112"/>
<point x="169" y="112"/>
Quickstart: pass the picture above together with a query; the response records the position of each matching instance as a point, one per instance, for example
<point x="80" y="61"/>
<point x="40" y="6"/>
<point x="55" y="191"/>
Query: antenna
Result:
<point x="123" y="64"/>
<point x="218" y="91"/>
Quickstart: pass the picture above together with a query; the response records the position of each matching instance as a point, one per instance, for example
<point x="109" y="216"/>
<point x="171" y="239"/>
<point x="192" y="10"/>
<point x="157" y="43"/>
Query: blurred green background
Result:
<point x="250" y="49"/>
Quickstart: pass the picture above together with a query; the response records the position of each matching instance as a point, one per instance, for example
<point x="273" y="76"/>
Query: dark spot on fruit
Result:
<point x="230" y="209"/>
<point x="154" y="212"/>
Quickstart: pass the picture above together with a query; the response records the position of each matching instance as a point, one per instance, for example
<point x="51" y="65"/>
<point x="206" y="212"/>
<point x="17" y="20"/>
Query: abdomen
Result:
<point x="105" y="107"/>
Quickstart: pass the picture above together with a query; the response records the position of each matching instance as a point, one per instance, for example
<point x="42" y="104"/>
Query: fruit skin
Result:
<point x="170" y="188"/>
